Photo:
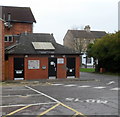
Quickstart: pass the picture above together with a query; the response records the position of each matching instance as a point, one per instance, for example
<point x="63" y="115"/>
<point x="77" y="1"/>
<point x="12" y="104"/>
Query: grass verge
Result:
<point x="87" y="70"/>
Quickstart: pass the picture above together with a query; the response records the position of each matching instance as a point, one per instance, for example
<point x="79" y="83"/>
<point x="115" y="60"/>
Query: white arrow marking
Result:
<point x="111" y="82"/>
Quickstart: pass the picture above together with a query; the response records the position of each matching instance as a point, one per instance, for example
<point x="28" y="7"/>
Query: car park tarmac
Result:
<point x="71" y="97"/>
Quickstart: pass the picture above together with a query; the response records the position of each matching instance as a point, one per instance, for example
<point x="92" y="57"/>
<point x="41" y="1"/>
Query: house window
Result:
<point x="89" y="60"/>
<point x="8" y="38"/>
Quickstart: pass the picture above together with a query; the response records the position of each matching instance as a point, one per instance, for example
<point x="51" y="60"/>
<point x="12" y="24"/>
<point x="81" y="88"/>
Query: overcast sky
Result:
<point x="57" y="16"/>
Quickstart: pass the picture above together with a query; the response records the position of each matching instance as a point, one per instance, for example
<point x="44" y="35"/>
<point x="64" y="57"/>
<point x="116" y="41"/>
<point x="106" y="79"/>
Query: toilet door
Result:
<point x="71" y="66"/>
<point x="18" y="68"/>
<point x="52" y="71"/>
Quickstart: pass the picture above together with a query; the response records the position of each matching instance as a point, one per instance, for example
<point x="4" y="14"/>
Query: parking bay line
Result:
<point x="56" y="101"/>
<point x="27" y="104"/>
<point x="17" y="110"/>
<point x="48" y="110"/>
<point x="28" y="95"/>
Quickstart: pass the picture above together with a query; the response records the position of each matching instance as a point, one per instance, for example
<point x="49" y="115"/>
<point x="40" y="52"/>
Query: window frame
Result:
<point x="8" y="38"/>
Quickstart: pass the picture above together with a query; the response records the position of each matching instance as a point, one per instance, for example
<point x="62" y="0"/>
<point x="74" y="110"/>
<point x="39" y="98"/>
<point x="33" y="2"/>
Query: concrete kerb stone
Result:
<point x="45" y="81"/>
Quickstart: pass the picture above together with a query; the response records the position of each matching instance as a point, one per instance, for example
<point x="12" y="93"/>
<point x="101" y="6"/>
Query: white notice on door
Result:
<point x="60" y="60"/>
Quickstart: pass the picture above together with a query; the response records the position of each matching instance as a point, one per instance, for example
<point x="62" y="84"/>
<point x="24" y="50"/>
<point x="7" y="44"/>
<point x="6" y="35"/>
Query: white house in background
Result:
<point x="87" y="62"/>
<point x="79" y="40"/>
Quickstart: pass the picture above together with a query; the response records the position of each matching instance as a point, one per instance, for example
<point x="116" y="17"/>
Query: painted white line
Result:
<point x="111" y="82"/>
<point x="57" y="84"/>
<point x="27" y="104"/>
<point x="115" y="89"/>
<point x="84" y="86"/>
<point x="70" y="85"/>
<point x="29" y="95"/>
<point x="10" y="96"/>
<point x="60" y="103"/>
<point x="15" y="89"/>
<point x="101" y="87"/>
<point x="44" y="94"/>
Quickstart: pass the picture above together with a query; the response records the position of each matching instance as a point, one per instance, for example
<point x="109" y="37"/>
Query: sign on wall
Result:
<point x="33" y="64"/>
<point x="60" y="60"/>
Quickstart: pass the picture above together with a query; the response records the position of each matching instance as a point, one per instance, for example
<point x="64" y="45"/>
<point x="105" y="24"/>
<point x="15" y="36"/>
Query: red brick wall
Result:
<point x="31" y="74"/>
<point x="61" y="69"/>
<point x="6" y="70"/>
<point x="18" y="28"/>
<point x="1" y="50"/>
<point x="77" y="67"/>
<point x="11" y="68"/>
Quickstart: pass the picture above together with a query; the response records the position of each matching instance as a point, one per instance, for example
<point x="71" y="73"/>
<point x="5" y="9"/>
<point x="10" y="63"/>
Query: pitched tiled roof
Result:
<point x="18" y="14"/>
<point x="25" y="46"/>
<point x="85" y="34"/>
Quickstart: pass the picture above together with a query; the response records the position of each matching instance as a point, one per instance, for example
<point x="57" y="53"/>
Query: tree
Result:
<point x="107" y="51"/>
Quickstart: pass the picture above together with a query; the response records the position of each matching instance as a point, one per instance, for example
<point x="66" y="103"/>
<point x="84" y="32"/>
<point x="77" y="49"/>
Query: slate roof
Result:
<point x="87" y="35"/>
<point x="25" y="46"/>
<point x="18" y="14"/>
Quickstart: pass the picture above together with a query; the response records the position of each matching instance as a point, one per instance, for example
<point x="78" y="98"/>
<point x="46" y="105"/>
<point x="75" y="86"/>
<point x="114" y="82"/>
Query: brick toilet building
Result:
<point x="38" y="56"/>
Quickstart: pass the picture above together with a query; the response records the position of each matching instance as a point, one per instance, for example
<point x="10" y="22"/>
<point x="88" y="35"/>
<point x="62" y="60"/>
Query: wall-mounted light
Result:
<point x="26" y="56"/>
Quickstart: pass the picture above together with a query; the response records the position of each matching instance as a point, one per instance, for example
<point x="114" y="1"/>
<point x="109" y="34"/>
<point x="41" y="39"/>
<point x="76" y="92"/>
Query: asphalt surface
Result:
<point x="91" y="95"/>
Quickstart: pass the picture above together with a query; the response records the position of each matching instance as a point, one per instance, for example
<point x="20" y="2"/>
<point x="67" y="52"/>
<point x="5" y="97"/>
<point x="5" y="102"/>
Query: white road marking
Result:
<point x="27" y="104"/>
<point x="101" y="87"/>
<point x="15" y="89"/>
<point x="88" y="100"/>
<point x="102" y="101"/>
<point x="69" y="99"/>
<point x="111" y="82"/>
<point x="70" y="85"/>
<point x="10" y="96"/>
<point x="84" y="86"/>
<point x="43" y="94"/>
<point x="55" y="100"/>
<point x="57" y="84"/>
<point x="96" y="101"/>
<point x="29" y="95"/>
<point x="115" y="89"/>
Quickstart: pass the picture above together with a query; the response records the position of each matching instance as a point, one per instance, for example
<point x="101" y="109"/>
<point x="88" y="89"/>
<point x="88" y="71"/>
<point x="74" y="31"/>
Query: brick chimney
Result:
<point x="87" y="28"/>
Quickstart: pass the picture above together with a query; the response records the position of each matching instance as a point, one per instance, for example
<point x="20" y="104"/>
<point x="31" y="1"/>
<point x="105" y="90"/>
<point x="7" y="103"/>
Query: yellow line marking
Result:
<point x="73" y="110"/>
<point x="48" y="110"/>
<point x="75" y="115"/>
<point x="18" y="110"/>
<point x="59" y="103"/>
